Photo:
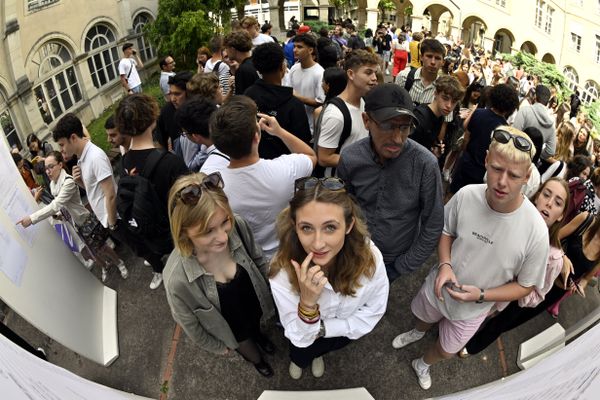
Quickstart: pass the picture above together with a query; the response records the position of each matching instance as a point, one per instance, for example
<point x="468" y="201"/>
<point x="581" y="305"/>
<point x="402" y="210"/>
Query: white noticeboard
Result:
<point x="23" y="376"/>
<point x="42" y="281"/>
<point x="573" y="372"/>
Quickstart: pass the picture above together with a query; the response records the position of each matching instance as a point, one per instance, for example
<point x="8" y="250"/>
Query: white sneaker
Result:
<point x="387" y="72"/>
<point x="123" y="270"/>
<point x="156" y="280"/>
<point x="104" y="274"/>
<point x="407" y="338"/>
<point x="147" y="264"/>
<point x="295" y="371"/>
<point x="422" y="375"/>
<point x="318" y="367"/>
<point x="88" y="263"/>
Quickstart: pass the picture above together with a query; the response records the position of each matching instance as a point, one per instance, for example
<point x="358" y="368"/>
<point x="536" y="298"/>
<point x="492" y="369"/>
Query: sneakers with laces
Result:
<point x="295" y="371"/>
<point x="88" y="263"/>
<point x="318" y="367"/>
<point x="407" y="338"/>
<point x="123" y="270"/>
<point x="422" y="375"/>
<point x="156" y="280"/>
<point x="104" y="274"/>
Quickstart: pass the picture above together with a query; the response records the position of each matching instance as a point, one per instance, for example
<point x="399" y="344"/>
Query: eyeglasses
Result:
<point x="389" y="126"/>
<point x="309" y="182"/>
<point x="190" y="195"/>
<point x="50" y="166"/>
<point x="520" y="143"/>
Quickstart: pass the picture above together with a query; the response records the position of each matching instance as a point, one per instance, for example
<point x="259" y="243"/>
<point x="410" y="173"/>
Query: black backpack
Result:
<point x="319" y="171"/>
<point x="142" y="210"/>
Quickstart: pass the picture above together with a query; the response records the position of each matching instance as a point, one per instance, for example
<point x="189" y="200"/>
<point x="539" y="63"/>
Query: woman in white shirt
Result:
<point x="67" y="205"/>
<point x="339" y="291"/>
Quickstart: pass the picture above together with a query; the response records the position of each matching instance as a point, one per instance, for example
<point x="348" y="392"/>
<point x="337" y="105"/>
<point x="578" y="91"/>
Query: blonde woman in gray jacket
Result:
<point x="216" y="277"/>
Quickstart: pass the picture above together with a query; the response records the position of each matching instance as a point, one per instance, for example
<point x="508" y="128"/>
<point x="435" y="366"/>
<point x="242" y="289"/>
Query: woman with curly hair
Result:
<point x="328" y="279"/>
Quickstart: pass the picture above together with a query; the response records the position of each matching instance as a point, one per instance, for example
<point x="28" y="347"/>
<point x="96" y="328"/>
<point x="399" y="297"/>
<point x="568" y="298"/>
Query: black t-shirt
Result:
<point x="429" y="126"/>
<point x="166" y="126"/>
<point x="245" y="76"/>
<point x="165" y="173"/>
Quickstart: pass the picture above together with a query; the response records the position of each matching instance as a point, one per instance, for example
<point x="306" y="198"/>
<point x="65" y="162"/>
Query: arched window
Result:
<point x="103" y="62"/>
<point x="58" y="89"/>
<point x="143" y="45"/>
<point x="590" y="92"/>
<point x="572" y="77"/>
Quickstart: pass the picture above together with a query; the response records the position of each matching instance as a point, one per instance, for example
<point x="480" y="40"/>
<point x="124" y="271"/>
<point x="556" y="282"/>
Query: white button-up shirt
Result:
<point x="349" y="316"/>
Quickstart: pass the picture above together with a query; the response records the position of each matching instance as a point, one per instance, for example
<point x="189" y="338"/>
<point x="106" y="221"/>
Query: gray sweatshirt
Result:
<point x="539" y="117"/>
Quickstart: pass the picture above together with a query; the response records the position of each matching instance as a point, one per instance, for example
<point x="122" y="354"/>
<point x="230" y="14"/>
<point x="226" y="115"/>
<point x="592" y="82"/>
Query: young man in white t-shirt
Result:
<point x="306" y="76"/>
<point x="361" y="70"/>
<point x="130" y="79"/>
<point x="258" y="189"/>
<point x="93" y="172"/>
<point x="493" y="248"/>
<point x="251" y="25"/>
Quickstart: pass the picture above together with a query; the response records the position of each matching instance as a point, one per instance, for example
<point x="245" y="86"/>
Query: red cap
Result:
<point x="303" y="29"/>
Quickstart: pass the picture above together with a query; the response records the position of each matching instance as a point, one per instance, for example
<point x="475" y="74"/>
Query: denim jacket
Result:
<point x="193" y="297"/>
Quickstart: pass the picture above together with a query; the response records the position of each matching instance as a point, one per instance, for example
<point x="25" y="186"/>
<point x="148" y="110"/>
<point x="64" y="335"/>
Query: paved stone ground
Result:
<point x="146" y="333"/>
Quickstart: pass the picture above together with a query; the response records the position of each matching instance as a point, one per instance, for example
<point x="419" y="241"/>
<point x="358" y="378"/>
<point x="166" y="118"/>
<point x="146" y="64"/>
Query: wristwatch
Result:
<point x="321" y="329"/>
<point x="481" y="296"/>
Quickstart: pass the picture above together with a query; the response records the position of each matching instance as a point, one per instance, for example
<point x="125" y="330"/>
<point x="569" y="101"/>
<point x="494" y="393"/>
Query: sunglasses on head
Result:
<point x="520" y="143"/>
<point x="190" y="195"/>
<point x="309" y="182"/>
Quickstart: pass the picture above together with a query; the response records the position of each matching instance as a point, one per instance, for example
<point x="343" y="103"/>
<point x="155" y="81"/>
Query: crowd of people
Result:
<point x="287" y="181"/>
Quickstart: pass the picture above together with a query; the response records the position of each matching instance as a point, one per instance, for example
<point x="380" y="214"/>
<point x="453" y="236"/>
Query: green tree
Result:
<point x="184" y="25"/>
<point x="384" y="5"/>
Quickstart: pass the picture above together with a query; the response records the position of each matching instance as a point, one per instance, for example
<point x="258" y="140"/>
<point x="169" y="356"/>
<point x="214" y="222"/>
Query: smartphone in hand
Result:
<point x="453" y="286"/>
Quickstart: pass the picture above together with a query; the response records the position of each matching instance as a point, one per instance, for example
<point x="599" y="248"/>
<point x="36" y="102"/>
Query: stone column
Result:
<point x="372" y="18"/>
<point x="324" y="13"/>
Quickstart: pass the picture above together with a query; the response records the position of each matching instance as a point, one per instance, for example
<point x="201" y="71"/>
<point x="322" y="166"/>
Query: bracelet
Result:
<point x="481" y="297"/>
<point x="444" y="263"/>
<point x="309" y="314"/>
<point x="309" y="320"/>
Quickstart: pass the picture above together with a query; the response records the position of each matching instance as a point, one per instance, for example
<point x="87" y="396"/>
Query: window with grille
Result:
<point x="548" y="25"/>
<point x="539" y="13"/>
<point x="590" y="92"/>
<point x="9" y="130"/>
<point x="58" y="90"/>
<point x="572" y="77"/>
<point x="103" y="61"/>
<point x="143" y="45"/>
<point x="575" y="42"/>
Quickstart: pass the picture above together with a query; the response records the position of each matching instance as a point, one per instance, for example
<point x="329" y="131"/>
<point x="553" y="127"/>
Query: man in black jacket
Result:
<point x="276" y="100"/>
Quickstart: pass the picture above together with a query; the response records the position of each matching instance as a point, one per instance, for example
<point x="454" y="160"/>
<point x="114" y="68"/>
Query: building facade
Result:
<point x="561" y="32"/>
<point x="60" y="56"/>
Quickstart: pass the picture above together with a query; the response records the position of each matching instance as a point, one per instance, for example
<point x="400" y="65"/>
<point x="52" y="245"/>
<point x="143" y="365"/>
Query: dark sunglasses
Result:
<point x="520" y="143"/>
<point x="309" y="182"/>
<point x="190" y="195"/>
<point x="390" y="126"/>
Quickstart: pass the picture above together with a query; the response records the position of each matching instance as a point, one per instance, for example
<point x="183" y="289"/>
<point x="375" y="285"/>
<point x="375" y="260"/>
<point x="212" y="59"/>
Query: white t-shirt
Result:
<point x="260" y="39"/>
<point x="490" y="249"/>
<point x="216" y="161"/>
<point x="95" y="167"/>
<point x="332" y="126"/>
<point x="126" y="65"/>
<point x="307" y="82"/>
<point x="164" y="81"/>
<point x="260" y="191"/>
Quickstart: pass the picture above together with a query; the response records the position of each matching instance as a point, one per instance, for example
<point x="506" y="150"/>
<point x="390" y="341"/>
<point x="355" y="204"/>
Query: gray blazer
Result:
<point x="193" y="297"/>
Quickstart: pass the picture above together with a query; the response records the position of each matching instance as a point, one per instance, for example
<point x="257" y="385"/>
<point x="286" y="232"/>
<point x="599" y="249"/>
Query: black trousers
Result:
<point x="19" y="341"/>
<point x="140" y="249"/>
<point x="511" y="317"/>
<point x="303" y="356"/>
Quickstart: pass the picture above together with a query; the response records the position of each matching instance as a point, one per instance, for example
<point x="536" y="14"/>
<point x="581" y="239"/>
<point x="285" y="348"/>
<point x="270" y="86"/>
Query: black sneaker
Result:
<point x="264" y="369"/>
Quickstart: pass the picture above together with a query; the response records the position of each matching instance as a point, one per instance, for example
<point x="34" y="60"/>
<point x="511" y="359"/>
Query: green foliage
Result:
<point x="593" y="112"/>
<point x="181" y="27"/>
<point x="386" y="5"/>
<point x="548" y="73"/>
<point x="315" y="26"/>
